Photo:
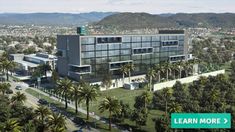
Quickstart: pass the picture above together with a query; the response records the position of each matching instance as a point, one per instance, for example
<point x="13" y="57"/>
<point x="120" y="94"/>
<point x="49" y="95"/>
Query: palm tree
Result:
<point x="18" y="97"/>
<point x="56" y="120"/>
<point x="180" y="65"/>
<point x="12" y="125"/>
<point x="63" y="87"/>
<point x="187" y="66"/>
<point x="88" y="93"/>
<point x="124" y="72"/>
<point x="58" y="129"/>
<point x="4" y="87"/>
<point x="130" y="68"/>
<point x="158" y="70"/>
<point x="44" y="68"/>
<point x="8" y="66"/>
<point x="175" y="107"/>
<point x="75" y="95"/>
<point x="167" y="96"/>
<point x="112" y="105"/>
<point x="167" y="66"/>
<point x="151" y="74"/>
<point x="42" y="112"/>
<point x="146" y="97"/>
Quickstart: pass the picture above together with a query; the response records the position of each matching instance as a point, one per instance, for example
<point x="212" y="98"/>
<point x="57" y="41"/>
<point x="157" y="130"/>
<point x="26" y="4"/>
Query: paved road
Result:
<point x="32" y="102"/>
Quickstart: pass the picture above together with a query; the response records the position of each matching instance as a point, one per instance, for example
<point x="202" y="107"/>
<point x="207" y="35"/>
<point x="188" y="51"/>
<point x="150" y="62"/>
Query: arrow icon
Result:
<point x="225" y="120"/>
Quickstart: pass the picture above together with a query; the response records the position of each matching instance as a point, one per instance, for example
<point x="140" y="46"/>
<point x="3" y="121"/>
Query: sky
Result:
<point x="149" y="6"/>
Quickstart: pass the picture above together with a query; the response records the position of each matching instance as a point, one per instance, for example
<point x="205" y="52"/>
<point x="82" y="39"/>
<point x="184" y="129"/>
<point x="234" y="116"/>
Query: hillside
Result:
<point x="143" y="20"/>
<point x="52" y="19"/>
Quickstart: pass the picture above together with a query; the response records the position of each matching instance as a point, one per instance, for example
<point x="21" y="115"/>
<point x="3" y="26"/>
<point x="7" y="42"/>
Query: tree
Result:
<point x="4" y="87"/>
<point x="151" y="74"/>
<point x="167" y="67"/>
<point x="112" y="106"/>
<point x="160" y="69"/>
<point x="42" y="113"/>
<point x="179" y="93"/>
<point x="175" y="107"/>
<point x="63" y="87"/>
<point x="146" y="97"/>
<point x="56" y="120"/>
<point x="8" y="66"/>
<point x="44" y="68"/>
<point x="75" y="95"/>
<point x="18" y="97"/>
<point x="88" y="93"/>
<point x="166" y="93"/>
<point x="54" y="77"/>
<point x="107" y="81"/>
<point x="124" y="71"/>
<point x="139" y="116"/>
<point x="12" y="125"/>
<point x="124" y="113"/>
<point x="162" y="124"/>
<point x="130" y="68"/>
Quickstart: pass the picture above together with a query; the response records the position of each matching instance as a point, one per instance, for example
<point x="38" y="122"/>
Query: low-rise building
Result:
<point x="26" y="64"/>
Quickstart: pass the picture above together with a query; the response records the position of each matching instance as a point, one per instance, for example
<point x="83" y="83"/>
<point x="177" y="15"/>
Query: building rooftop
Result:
<point x="26" y="63"/>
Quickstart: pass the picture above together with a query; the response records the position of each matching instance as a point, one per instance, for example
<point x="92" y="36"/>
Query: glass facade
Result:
<point x="142" y="51"/>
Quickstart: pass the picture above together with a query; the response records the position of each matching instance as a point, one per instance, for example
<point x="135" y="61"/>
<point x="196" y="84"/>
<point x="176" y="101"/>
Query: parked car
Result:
<point x="42" y="101"/>
<point x="9" y="91"/>
<point x="18" y="87"/>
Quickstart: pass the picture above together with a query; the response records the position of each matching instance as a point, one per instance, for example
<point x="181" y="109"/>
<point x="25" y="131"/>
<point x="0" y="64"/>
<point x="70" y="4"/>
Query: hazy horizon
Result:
<point x="147" y="6"/>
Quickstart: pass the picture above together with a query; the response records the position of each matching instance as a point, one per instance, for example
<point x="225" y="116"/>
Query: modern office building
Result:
<point x="94" y="56"/>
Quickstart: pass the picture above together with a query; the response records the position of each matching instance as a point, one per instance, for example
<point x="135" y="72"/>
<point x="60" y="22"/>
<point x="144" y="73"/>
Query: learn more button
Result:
<point x="200" y="120"/>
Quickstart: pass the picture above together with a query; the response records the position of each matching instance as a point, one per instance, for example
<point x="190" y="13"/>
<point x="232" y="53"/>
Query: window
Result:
<point x="88" y="54"/>
<point x="101" y="47"/>
<point x="142" y="50"/>
<point x="125" y="45"/>
<point x="114" y="52"/>
<point x="88" y="48"/>
<point x="126" y="39"/>
<point x="80" y="69"/>
<point x="155" y="38"/>
<point x="87" y="40"/>
<point x="117" y="65"/>
<point x="146" y="38"/>
<point x="114" y="46"/>
<point x="169" y="43"/>
<point x="136" y="39"/>
<point x="101" y="40"/>
<point x="125" y="52"/>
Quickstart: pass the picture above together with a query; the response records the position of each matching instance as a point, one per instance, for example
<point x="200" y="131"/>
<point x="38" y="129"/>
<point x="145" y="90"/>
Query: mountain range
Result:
<point x="52" y="19"/>
<point x="122" y="20"/>
<point x="145" y="20"/>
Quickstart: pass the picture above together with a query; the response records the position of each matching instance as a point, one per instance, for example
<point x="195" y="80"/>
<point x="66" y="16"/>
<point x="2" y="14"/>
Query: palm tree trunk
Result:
<point x="123" y="77"/>
<point x="87" y="109"/>
<point x="159" y="77"/>
<point x="7" y="75"/>
<point x="150" y="83"/>
<point x="76" y="105"/>
<point x="66" y="102"/>
<point x="180" y="73"/>
<point x="110" y="118"/>
<point x="166" y="108"/>
<point x="167" y="75"/>
<point x="129" y="76"/>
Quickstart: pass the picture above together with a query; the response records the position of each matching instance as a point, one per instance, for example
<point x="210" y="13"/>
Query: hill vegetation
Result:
<point x="181" y="20"/>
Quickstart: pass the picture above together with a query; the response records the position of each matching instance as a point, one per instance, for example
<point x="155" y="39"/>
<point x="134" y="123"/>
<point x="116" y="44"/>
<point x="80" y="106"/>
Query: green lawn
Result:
<point x="127" y="96"/>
